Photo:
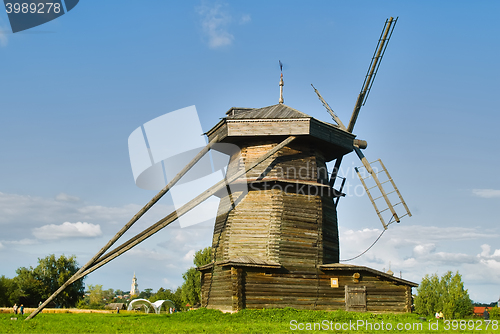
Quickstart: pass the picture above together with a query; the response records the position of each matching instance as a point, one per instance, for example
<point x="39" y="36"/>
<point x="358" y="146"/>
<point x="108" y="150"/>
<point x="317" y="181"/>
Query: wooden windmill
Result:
<point x="279" y="244"/>
<point x="276" y="244"/>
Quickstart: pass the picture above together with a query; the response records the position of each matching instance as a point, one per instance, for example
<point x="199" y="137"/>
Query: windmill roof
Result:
<point x="281" y="120"/>
<point x="277" y="111"/>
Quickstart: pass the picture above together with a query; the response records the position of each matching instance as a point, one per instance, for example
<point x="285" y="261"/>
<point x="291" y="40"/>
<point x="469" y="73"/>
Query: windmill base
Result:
<point x="231" y="286"/>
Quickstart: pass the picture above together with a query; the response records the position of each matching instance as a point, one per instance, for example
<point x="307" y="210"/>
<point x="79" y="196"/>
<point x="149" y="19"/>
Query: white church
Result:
<point x="134" y="289"/>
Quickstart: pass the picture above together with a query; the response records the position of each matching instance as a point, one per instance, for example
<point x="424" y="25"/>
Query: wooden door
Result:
<point x="355" y="298"/>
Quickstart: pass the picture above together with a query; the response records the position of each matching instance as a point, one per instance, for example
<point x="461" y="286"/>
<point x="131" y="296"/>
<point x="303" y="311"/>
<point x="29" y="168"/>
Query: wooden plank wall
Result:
<point x="299" y="161"/>
<point x="330" y="232"/>
<point x="262" y="127"/>
<point x="300" y="232"/>
<point x="216" y="289"/>
<point x="338" y="137"/>
<point x="278" y="290"/>
<point x="252" y="226"/>
<point x="275" y="225"/>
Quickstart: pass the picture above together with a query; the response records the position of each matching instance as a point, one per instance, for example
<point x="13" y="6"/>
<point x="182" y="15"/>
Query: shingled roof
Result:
<point x="277" y="111"/>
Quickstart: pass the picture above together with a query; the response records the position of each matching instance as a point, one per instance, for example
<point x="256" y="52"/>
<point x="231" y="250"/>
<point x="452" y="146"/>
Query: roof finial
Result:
<point x="281" y="84"/>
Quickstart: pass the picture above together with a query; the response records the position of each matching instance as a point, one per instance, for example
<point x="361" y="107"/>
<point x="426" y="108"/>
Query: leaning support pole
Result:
<point x="124" y="229"/>
<point x="98" y="261"/>
<point x="179" y="212"/>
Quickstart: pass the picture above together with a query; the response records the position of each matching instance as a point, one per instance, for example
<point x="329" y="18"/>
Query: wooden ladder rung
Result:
<point x="383" y="210"/>
<point x="385" y="194"/>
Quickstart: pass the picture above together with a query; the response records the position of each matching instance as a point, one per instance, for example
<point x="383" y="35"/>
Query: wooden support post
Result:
<point x="181" y="211"/>
<point x="408" y="299"/>
<point x="99" y="260"/>
<point x="237" y="286"/>
<point x="335" y="171"/>
<point x="125" y="228"/>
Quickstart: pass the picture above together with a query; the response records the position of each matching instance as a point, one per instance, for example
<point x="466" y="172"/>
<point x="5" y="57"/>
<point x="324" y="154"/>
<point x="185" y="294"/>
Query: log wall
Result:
<point x="258" y="288"/>
<point x="274" y="221"/>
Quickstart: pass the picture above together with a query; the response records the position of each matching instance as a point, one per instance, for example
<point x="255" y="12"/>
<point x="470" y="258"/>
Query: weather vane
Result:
<point x="281" y="84"/>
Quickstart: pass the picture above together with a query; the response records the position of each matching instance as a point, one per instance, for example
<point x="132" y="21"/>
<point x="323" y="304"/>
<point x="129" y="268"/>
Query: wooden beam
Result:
<point x="99" y="260"/>
<point x="179" y="212"/>
<point x="125" y="228"/>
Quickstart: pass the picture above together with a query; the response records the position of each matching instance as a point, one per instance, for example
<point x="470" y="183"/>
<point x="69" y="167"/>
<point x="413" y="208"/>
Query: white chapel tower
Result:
<point x="134" y="289"/>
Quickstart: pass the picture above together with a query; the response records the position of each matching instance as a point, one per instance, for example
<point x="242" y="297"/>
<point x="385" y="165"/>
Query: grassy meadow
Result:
<point x="247" y="321"/>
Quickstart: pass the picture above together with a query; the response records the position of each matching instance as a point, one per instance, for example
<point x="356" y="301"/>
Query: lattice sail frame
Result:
<point x="374" y="187"/>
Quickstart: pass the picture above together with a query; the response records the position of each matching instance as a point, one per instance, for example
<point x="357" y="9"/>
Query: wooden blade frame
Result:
<point x="373" y="69"/>
<point x="380" y="187"/>
<point x="330" y="110"/>
<point x="99" y="259"/>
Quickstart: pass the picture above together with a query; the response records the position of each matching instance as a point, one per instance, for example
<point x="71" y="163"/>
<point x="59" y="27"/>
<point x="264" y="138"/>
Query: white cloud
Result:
<point x="486" y="193"/>
<point x="486" y="250"/>
<point x="22" y="242"/>
<point x="3" y="38"/>
<point x="245" y="19"/>
<point x="214" y="21"/>
<point x="23" y="212"/>
<point x="1" y="245"/>
<point x="67" y="230"/>
<point x="189" y="255"/>
<point x="485" y="254"/>
<point x="120" y="214"/>
<point x="150" y="254"/>
<point x="67" y="198"/>
<point x="3" y="34"/>
<point x="425" y="249"/>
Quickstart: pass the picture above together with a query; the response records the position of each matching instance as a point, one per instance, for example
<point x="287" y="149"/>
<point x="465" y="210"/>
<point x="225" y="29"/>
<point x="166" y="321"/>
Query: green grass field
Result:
<point x="246" y="321"/>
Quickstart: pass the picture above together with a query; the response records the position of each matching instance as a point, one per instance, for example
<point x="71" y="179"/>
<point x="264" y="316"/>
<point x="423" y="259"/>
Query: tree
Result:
<point x="37" y="284"/>
<point x="146" y="293"/>
<point x="8" y="289"/>
<point x="427" y="299"/>
<point x="167" y="294"/>
<point x="446" y="294"/>
<point x="191" y="288"/>
<point x="108" y="295"/>
<point x="96" y="295"/>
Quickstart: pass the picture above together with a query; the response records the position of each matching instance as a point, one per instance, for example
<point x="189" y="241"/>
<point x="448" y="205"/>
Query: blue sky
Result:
<point x="74" y="89"/>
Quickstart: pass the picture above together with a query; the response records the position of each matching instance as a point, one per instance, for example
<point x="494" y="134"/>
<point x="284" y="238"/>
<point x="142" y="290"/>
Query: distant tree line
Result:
<point x="34" y="285"/>
<point x="189" y="294"/>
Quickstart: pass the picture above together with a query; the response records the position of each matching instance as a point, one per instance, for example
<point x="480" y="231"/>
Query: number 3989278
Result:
<point x="40" y="8"/>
